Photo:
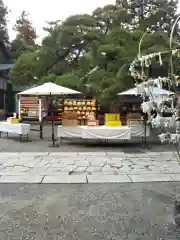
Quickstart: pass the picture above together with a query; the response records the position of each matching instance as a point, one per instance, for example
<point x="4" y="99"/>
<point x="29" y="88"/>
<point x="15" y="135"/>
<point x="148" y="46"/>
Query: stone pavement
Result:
<point x="88" y="167"/>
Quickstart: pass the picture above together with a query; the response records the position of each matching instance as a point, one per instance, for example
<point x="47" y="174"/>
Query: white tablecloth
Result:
<point x="103" y="132"/>
<point x="138" y="128"/>
<point x="76" y="132"/>
<point x="139" y="131"/>
<point x="21" y="128"/>
<point x="69" y="132"/>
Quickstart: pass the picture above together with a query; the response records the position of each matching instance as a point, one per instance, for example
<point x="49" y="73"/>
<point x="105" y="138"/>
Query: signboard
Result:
<point x="112" y="120"/>
<point x="92" y="123"/>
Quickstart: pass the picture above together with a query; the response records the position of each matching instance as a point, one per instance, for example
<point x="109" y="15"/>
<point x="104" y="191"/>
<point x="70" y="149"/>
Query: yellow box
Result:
<point x="111" y="117"/>
<point x="112" y="120"/>
<point x="113" y="124"/>
<point x="13" y="120"/>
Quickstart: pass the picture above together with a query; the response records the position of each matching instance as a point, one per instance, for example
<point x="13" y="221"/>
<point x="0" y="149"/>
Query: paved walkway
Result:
<point x="88" y="167"/>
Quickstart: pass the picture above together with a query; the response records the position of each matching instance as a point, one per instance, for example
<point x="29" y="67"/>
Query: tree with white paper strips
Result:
<point x="160" y="104"/>
<point x="162" y="111"/>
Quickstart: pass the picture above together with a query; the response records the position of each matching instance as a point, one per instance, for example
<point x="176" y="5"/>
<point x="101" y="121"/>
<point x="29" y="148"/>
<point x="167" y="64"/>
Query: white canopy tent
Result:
<point x="154" y="91"/>
<point x="49" y="89"/>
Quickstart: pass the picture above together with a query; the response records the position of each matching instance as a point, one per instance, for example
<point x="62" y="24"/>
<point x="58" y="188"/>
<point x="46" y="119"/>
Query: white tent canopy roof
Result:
<point x="154" y="90"/>
<point x="49" y="89"/>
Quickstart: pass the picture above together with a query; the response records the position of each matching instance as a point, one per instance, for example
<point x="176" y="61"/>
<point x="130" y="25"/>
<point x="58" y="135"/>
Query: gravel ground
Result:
<point x="88" y="212"/>
<point x="12" y="144"/>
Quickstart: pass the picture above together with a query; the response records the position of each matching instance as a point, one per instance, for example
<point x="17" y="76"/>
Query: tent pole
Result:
<point x="52" y="125"/>
<point x="53" y="139"/>
<point x="41" y="130"/>
<point x="40" y="119"/>
<point x="145" y="119"/>
<point x="40" y="110"/>
<point x="19" y="107"/>
<point x="145" y="133"/>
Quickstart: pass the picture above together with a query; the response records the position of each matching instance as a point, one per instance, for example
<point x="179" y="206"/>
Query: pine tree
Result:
<point x="154" y="14"/>
<point x="25" y="30"/>
<point x="26" y="36"/>
<point x="3" y="23"/>
<point x="4" y="38"/>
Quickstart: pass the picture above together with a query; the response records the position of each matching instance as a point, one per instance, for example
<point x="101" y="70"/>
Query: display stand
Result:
<point x="83" y="107"/>
<point x="29" y="108"/>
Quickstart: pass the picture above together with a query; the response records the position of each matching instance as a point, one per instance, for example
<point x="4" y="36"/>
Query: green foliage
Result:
<point x="106" y="41"/>
<point x="25" y="70"/>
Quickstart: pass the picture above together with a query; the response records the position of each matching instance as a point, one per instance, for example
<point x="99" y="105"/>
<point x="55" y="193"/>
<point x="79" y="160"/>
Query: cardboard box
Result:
<point x="69" y="123"/>
<point x="134" y="123"/>
<point x="12" y="120"/>
<point x="132" y="116"/>
<point x="69" y="115"/>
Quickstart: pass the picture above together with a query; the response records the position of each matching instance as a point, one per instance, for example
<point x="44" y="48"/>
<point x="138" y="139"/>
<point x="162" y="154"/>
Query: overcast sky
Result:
<point x="41" y="11"/>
